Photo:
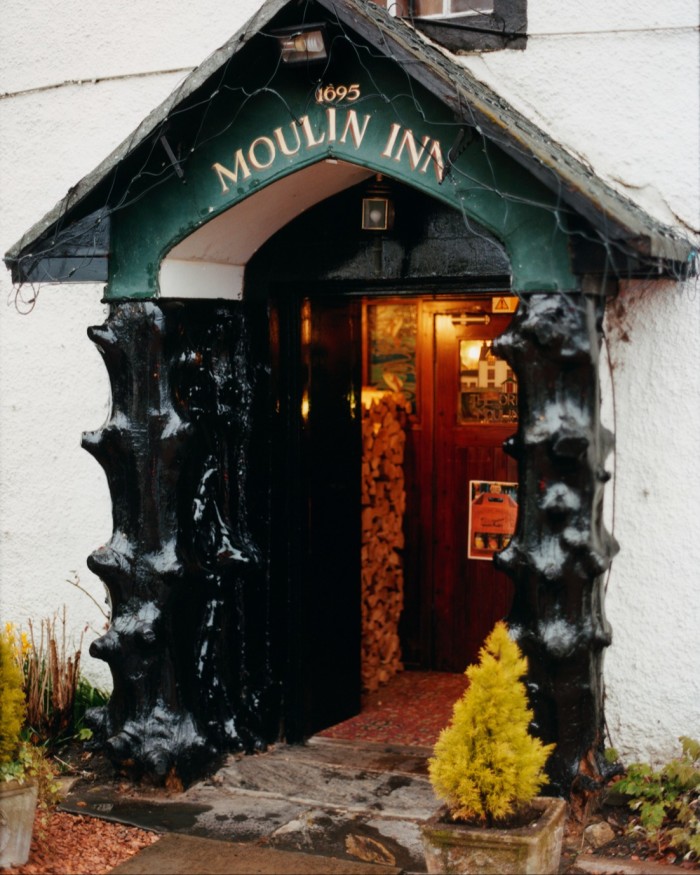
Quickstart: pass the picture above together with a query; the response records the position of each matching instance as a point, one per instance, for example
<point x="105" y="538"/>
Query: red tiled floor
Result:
<point x="410" y="710"/>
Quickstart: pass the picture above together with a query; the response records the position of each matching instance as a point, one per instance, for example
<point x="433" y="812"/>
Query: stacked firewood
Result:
<point x="383" y="507"/>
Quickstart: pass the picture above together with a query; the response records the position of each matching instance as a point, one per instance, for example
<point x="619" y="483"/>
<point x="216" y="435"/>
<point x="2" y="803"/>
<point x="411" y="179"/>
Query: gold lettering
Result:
<point x="414" y="153"/>
<point x="393" y="134"/>
<point x="281" y="142"/>
<point x="330" y="115"/>
<point x="352" y="126"/>
<point x="263" y="151"/>
<point x="221" y="171"/>
<point x="253" y="158"/>
<point x="435" y="156"/>
<point x="308" y="133"/>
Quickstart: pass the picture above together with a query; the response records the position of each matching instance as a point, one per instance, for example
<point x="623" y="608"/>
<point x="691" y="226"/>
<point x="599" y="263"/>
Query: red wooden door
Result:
<point x="474" y="409"/>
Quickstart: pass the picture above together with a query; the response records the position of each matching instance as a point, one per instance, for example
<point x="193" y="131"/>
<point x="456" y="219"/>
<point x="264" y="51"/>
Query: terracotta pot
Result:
<point x="17" y="807"/>
<point x="536" y="848"/>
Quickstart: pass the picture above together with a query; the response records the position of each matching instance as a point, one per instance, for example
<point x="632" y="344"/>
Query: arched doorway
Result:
<point x="329" y="287"/>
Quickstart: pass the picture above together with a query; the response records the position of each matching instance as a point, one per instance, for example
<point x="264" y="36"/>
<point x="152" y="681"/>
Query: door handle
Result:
<point x="466" y="319"/>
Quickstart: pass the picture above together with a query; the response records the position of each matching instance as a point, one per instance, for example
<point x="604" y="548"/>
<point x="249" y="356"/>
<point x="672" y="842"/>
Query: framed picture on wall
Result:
<point x="391" y="337"/>
<point x="493" y="512"/>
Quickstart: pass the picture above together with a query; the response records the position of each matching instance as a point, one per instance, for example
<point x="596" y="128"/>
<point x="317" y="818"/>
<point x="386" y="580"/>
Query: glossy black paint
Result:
<point x="330" y="579"/>
<point x="213" y="644"/>
<point x="561" y="549"/>
<point x="186" y="453"/>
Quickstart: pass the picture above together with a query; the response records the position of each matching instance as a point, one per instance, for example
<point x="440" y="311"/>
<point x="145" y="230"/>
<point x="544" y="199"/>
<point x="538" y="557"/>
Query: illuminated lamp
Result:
<point x="302" y="44"/>
<point x="377" y="207"/>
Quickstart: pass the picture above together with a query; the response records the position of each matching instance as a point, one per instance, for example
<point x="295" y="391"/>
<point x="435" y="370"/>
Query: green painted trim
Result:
<point x="384" y="135"/>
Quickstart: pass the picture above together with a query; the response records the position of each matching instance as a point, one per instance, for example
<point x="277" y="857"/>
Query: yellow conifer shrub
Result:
<point x="486" y="764"/>
<point x="12" y="700"/>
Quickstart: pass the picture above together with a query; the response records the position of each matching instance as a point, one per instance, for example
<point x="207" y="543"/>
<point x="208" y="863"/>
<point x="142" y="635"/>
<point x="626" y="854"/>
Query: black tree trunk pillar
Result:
<point x="561" y="549"/>
<point x="188" y="645"/>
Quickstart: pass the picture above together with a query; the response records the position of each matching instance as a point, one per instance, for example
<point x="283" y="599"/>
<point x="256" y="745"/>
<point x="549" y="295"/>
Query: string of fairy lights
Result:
<point x="456" y="174"/>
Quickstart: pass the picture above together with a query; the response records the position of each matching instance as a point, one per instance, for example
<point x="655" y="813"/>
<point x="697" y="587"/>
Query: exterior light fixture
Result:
<point x="377" y="207"/>
<point x="303" y="44"/>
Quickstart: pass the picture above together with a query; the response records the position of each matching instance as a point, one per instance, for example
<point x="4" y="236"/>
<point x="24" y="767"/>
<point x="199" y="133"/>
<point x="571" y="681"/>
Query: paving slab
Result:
<point x="330" y="776"/>
<point x="372" y="755"/>
<point x="351" y="802"/>
<point x="174" y="854"/>
<point x="598" y="865"/>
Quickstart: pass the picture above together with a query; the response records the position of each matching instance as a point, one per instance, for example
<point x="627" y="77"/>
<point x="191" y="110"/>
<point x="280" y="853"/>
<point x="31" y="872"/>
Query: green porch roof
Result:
<point x="73" y="241"/>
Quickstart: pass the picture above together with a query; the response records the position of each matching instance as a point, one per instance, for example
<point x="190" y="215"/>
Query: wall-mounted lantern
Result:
<point x="303" y="44"/>
<point x="377" y="207"/>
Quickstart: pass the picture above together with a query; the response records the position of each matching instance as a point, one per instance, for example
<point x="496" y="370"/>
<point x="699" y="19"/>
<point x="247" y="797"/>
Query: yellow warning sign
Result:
<point x="504" y="304"/>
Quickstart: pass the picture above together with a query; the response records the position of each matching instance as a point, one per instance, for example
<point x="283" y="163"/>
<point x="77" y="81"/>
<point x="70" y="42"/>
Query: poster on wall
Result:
<point x="493" y="511"/>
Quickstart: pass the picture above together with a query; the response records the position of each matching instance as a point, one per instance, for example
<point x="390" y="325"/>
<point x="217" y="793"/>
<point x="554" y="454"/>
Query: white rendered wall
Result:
<point x="653" y="597"/>
<point x="616" y="83"/>
<point x="116" y="60"/>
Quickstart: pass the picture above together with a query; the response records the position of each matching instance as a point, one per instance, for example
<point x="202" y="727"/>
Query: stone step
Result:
<point x="345" y="776"/>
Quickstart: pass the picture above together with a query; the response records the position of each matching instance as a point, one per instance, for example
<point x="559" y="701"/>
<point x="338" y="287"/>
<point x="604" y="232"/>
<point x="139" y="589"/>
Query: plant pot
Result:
<point x="536" y="848"/>
<point x="17" y="807"/>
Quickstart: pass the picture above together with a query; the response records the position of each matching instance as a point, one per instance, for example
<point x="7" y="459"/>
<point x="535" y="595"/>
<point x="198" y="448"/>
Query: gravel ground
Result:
<point x="69" y="844"/>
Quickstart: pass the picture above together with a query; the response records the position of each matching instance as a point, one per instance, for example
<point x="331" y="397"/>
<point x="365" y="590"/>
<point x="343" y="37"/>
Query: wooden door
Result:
<point x="316" y="492"/>
<point x="332" y="460"/>
<point x="472" y="416"/>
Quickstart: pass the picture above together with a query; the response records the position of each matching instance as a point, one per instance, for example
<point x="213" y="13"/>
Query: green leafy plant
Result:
<point x="667" y="801"/>
<point x="32" y="762"/>
<point x="486" y="764"/>
<point x="86" y="696"/>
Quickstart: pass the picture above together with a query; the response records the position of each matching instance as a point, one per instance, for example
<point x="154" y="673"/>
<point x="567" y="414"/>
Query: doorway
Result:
<point x="463" y="405"/>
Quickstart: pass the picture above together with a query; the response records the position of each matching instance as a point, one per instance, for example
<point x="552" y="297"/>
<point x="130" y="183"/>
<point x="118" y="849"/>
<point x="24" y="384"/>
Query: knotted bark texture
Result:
<point x="561" y="549"/>
<point x="188" y="645"/>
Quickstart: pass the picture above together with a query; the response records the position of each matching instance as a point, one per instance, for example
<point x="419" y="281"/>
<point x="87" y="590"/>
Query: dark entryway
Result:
<point x="316" y="526"/>
<point x="464" y="405"/>
<point x="321" y="275"/>
<point x="454" y="441"/>
<point x="437" y="351"/>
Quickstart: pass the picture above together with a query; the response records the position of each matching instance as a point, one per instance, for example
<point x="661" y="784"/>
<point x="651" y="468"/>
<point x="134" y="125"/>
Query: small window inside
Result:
<point x="451" y="8"/>
<point x="466" y="25"/>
